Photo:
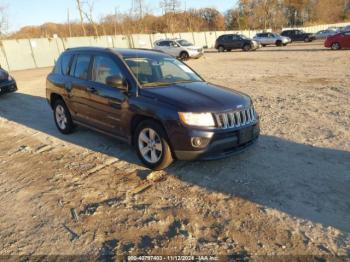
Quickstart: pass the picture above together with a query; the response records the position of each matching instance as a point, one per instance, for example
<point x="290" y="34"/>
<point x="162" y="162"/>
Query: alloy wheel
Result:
<point x="150" y="145"/>
<point x="61" y="117"/>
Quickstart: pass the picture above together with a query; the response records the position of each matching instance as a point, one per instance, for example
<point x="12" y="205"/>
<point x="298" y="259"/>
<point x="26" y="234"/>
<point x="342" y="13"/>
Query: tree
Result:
<point x="80" y="9"/>
<point x="3" y="21"/>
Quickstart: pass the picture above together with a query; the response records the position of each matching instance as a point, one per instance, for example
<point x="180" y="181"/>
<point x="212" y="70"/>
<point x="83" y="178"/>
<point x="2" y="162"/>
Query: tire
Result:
<point x="335" y="46"/>
<point x="307" y="39"/>
<point x="284" y="44"/>
<point x="152" y="145"/>
<point x="63" y="118"/>
<point x="229" y="50"/>
<point x="263" y="45"/>
<point x="184" y="56"/>
<point x="278" y="43"/>
<point x="246" y="48"/>
<point x="221" y="49"/>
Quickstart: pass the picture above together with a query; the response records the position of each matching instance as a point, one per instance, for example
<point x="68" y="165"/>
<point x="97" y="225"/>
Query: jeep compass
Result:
<point x="151" y="100"/>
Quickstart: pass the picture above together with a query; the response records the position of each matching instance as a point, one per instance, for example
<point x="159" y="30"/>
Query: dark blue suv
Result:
<point x="152" y="101"/>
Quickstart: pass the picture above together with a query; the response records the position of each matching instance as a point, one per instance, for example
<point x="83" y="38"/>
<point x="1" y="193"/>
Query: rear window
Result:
<point x="82" y="64"/>
<point x="63" y="64"/>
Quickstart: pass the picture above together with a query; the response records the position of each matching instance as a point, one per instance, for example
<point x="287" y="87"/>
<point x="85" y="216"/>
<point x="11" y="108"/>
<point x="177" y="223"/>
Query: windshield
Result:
<point x="184" y="43"/>
<point x="160" y="71"/>
<point x="243" y="37"/>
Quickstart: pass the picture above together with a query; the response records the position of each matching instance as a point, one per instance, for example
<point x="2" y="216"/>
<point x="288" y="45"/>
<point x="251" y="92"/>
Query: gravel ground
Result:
<point x="289" y="194"/>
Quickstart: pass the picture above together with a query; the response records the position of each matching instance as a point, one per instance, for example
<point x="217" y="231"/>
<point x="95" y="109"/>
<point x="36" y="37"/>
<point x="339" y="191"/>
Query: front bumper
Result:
<point x="195" y="54"/>
<point x="8" y="86"/>
<point x="223" y="143"/>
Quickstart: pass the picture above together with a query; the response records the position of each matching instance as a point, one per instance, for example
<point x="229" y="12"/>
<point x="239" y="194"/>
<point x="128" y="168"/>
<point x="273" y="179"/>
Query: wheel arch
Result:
<point x="54" y="97"/>
<point x="137" y="119"/>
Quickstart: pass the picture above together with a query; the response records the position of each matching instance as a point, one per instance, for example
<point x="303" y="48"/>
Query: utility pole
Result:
<point x="115" y="20"/>
<point x="69" y="25"/>
<point x="81" y="17"/>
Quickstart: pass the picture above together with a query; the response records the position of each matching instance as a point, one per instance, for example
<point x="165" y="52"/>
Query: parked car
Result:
<point x="7" y="82"/>
<point x="335" y="28"/>
<point x="298" y="35"/>
<point x="345" y="28"/>
<point x="179" y="48"/>
<point x="151" y="100"/>
<point x="271" y="39"/>
<point x="323" y="34"/>
<point x="232" y="41"/>
<point x="338" y="41"/>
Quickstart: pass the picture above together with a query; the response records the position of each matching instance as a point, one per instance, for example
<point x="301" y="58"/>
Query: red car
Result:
<point x="338" y="41"/>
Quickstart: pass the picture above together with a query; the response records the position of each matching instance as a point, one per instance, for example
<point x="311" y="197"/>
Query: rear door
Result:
<point x="264" y="38"/>
<point x="271" y="38"/>
<point x="106" y="101"/>
<point x="227" y="41"/>
<point x="79" y="94"/>
<point x="164" y="46"/>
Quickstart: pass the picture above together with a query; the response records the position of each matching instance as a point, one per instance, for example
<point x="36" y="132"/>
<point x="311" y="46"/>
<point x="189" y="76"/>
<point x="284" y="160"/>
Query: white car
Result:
<point x="272" y="39"/>
<point x="179" y="48"/>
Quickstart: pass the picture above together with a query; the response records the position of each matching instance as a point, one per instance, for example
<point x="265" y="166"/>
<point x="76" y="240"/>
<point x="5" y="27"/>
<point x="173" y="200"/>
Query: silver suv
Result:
<point x="179" y="48"/>
<point x="272" y="39"/>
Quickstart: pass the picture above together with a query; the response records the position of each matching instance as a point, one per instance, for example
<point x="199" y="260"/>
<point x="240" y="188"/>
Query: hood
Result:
<point x="198" y="97"/>
<point x="194" y="47"/>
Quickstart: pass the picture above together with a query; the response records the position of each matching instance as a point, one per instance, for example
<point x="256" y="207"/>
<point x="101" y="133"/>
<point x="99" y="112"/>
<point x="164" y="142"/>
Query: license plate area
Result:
<point x="245" y="135"/>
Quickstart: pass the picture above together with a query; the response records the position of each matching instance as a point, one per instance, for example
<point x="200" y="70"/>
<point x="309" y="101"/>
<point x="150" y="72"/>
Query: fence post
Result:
<point x="32" y="53"/>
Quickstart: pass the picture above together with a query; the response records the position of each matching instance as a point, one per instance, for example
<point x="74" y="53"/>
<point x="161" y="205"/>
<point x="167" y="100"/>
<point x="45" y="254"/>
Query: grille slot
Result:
<point x="233" y="119"/>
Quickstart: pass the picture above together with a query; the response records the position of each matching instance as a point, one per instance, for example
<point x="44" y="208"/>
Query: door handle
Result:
<point x="91" y="89"/>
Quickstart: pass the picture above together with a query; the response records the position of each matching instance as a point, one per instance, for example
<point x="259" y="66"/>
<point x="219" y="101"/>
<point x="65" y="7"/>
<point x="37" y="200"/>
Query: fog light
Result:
<point x="199" y="141"/>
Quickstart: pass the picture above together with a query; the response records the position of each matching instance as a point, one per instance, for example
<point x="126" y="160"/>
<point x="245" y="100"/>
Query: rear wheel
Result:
<point x="307" y="39"/>
<point x="335" y="46"/>
<point x="62" y="117"/>
<point x="152" y="145"/>
<point x="184" y="55"/>
<point x="221" y="49"/>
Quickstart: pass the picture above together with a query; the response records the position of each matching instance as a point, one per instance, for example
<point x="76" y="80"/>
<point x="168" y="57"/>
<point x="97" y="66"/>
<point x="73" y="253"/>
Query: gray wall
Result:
<point x="42" y="52"/>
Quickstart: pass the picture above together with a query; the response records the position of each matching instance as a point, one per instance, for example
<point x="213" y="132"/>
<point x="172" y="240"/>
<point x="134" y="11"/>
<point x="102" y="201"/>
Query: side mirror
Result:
<point x="117" y="82"/>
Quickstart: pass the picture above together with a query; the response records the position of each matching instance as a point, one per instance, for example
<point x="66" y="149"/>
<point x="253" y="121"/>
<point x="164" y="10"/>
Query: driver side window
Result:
<point x="104" y="67"/>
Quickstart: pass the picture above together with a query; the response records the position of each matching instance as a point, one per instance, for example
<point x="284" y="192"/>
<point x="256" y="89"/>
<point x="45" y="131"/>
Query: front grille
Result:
<point x="233" y="119"/>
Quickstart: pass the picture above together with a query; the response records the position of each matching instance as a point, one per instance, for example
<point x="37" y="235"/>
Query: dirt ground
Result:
<point x="88" y="194"/>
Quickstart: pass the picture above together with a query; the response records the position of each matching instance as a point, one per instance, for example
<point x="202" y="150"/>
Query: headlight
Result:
<point x="9" y="78"/>
<point x="197" y="119"/>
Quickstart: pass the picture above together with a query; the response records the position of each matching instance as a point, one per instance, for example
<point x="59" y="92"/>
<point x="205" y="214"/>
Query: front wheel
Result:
<point x="246" y="48"/>
<point x="152" y="145"/>
<point x="184" y="56"/>
<point x="221" y="49"/>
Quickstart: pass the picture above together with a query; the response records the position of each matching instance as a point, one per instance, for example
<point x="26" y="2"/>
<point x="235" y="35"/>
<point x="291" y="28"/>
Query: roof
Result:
<point x="128" y="52"/>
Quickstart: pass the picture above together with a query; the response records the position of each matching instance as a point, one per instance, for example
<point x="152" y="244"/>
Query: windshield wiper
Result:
<point x="160" y="83"/>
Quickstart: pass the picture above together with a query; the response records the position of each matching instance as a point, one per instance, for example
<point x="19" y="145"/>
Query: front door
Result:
<point x="345" y="43"/>
<point x="106" y="102"/>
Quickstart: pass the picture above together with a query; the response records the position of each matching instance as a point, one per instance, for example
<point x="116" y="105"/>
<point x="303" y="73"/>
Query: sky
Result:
<point x="36" y="12"/>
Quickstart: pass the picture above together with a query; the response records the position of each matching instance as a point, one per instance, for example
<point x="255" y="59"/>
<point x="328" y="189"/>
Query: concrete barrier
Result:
<point x="42" y="52"/>
<point x="19" y="54"/>
<point x="121" y="41"/>
<point x="45" y="51"/>
<point x="141" y="41"/>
